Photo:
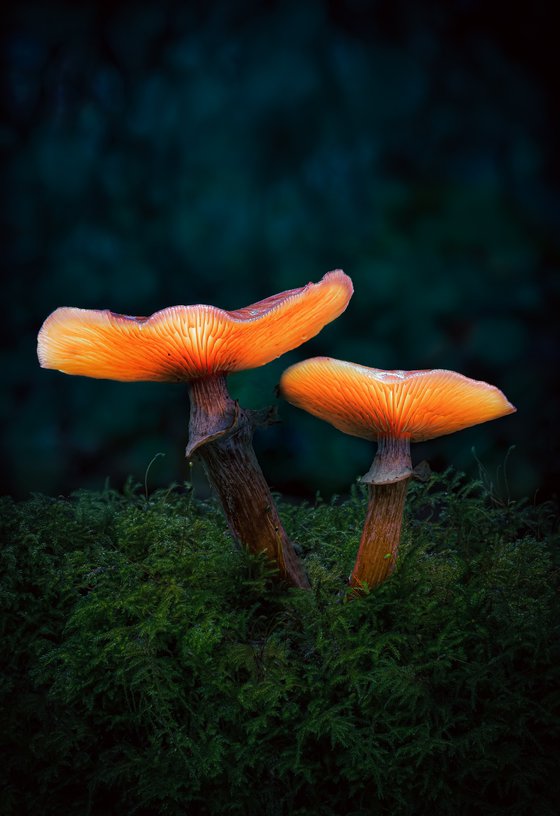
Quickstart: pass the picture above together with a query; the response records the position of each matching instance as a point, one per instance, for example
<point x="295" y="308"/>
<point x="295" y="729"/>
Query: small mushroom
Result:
<point x="200" y="345"/>
<point x="393" y="408"/>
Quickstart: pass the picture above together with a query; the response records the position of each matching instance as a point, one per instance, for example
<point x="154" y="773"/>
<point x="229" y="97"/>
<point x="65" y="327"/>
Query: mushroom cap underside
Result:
<point x="372" y="403"/>
<point x="189" y="342"/>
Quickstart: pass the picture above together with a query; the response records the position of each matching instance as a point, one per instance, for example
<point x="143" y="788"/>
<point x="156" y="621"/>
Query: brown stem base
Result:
<point x="379" y="544"/>
<point x="221" y="434"/>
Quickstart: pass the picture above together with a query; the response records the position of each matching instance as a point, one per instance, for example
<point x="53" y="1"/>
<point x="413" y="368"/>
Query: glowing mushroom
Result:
<point x="393" y="408"/>
<point x="201" y="345"/>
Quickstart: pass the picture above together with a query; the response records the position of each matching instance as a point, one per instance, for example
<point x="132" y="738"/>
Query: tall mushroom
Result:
<point x="200" y="345"/>
<point x="394" y="408"/>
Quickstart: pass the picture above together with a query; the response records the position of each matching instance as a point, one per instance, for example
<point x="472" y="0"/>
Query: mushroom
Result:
<point x="200" y="345"/>
<point x="393" y="408"/>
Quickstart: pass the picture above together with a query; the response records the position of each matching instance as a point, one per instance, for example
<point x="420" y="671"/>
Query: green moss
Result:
<point x="151" y="667"/>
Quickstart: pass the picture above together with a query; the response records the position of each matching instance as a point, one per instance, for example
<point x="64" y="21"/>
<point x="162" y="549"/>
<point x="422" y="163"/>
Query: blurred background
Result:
<point x="220" y="152"/>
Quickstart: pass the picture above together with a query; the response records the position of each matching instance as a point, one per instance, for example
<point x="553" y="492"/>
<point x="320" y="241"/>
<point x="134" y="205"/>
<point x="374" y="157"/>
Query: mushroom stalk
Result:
<point x="387" y="481"/>
<point x="221" y="434"/>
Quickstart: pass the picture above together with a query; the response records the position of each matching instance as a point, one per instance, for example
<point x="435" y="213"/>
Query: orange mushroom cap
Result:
<point x="189" y="342"/>
<point x="372" y="403"/>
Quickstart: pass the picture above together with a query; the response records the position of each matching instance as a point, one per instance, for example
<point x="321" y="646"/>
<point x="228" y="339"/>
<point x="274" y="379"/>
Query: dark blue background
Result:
<point x="167" y="153"/>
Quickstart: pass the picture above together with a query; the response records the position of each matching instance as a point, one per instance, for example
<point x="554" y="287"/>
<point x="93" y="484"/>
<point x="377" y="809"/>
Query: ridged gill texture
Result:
<point x="189" y="342"/>
<point x="372" y="403"/>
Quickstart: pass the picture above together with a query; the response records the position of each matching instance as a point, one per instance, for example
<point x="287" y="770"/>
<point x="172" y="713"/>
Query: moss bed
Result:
<point x="150" y="667"/>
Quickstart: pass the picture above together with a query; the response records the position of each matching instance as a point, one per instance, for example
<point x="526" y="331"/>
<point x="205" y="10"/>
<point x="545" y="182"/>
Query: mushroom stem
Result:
<point x="221" y="434"/>
<point x="388" y="482"/>
<point x="381" y="534"/>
